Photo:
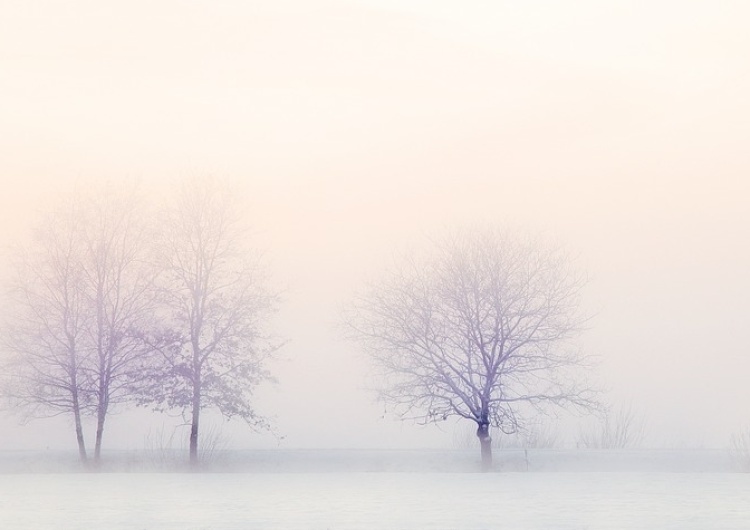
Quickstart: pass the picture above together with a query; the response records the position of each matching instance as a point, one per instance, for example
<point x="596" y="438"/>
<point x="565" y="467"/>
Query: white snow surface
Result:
<point x="386" y="500"/>
<point x="354" y="490"/>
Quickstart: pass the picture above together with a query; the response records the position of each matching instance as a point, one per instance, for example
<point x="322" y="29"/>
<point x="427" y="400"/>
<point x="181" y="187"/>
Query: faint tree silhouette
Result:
<point x="213" y="303"/>
<point x="79" y="292"/>
<point x="620" y="428"/>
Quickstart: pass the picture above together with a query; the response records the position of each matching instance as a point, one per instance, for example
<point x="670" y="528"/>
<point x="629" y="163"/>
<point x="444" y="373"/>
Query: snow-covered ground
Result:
<point x="350" y="501"/>
<point x="350" y="490"/>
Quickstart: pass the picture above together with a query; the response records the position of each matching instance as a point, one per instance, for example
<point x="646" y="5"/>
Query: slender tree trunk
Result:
<point x="196" y="405"/>
<point x="101" y="406"/>
<point x="101" y="415"/>
<point x="79" y="426"/>
<point x="98" y="443"/>
<point x="485" y="443"/>
<point x="77" y="403"/>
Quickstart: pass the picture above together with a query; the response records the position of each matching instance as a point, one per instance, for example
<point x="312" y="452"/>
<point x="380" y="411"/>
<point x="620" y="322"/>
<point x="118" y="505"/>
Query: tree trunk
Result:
<point x="101" y="406"/>
<point x="77" y="408"/>
<point x="194" y="424"/>
<point x="101" y="415"/>
<point x="485" y="443"/>
<point x="98" y="443"/>
<point x="79" y="427"/>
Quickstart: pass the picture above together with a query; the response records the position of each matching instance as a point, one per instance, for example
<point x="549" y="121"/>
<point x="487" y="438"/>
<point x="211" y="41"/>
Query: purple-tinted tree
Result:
<point x="117" y="281"/>
<point x="77" y="297"/>
<point x="480" y="328"/>
<point x="45" y="327"/>
<point x="213" y="306"/>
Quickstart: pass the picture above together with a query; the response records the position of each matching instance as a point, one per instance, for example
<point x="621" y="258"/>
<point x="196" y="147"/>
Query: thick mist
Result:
<point x="353" y="130"/>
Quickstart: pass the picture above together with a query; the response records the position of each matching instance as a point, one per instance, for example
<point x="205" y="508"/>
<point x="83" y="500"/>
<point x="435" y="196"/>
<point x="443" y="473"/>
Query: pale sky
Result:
<point x="354" y="128"/>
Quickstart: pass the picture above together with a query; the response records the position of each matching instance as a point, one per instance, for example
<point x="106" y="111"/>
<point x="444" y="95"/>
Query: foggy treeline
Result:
<point x="114" y="304"/>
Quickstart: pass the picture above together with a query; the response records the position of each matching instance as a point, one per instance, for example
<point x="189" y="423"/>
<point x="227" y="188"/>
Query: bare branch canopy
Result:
<point x="481" y="328"/>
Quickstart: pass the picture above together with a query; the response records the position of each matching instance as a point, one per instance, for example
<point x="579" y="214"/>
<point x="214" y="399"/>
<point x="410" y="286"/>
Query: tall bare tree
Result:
<point x="478" y="329"/>
<point x="44" y="331"/>
<point x="118" y="278"/>
<point x="214" y="304"/>
<point x="78" y="299"/>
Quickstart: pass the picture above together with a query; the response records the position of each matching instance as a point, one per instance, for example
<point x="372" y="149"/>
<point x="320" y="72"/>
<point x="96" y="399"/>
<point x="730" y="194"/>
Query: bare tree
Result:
<point x="117" y="283"/>
<point x="214" y="304"/>
<point x="77" y="299"/>
<point x="479" y="329"/>
<point x="45" y="327"/>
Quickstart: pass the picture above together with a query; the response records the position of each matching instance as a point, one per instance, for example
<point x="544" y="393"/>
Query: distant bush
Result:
<point x="739" y="450"/>
<point x="619" y="429"/>
<point x="164" y="449"/>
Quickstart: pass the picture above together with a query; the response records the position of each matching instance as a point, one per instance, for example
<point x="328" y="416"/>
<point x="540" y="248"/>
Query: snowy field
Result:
<point x="351" y="501"/>
<point x="387" y="490"/>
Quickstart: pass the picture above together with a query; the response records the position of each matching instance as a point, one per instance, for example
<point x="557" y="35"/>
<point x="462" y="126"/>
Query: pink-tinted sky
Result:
<point x="356" y="127"/>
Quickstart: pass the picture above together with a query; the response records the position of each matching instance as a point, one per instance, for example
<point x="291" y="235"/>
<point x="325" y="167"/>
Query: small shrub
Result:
<point x="739" y="450"/>
<point x="620" y="429"/>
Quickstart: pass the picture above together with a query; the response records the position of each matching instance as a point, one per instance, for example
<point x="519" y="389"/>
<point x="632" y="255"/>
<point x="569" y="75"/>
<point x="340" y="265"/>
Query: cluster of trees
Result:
<point x="107" y="308"/>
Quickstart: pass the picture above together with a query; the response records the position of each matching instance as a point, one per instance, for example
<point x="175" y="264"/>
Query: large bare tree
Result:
<point x="45" y="327"/>
<point x="213" y="307"/>
<point x="77" y="302"/>
<point x="479" y="328"/>
<point x="118" y="277"/>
